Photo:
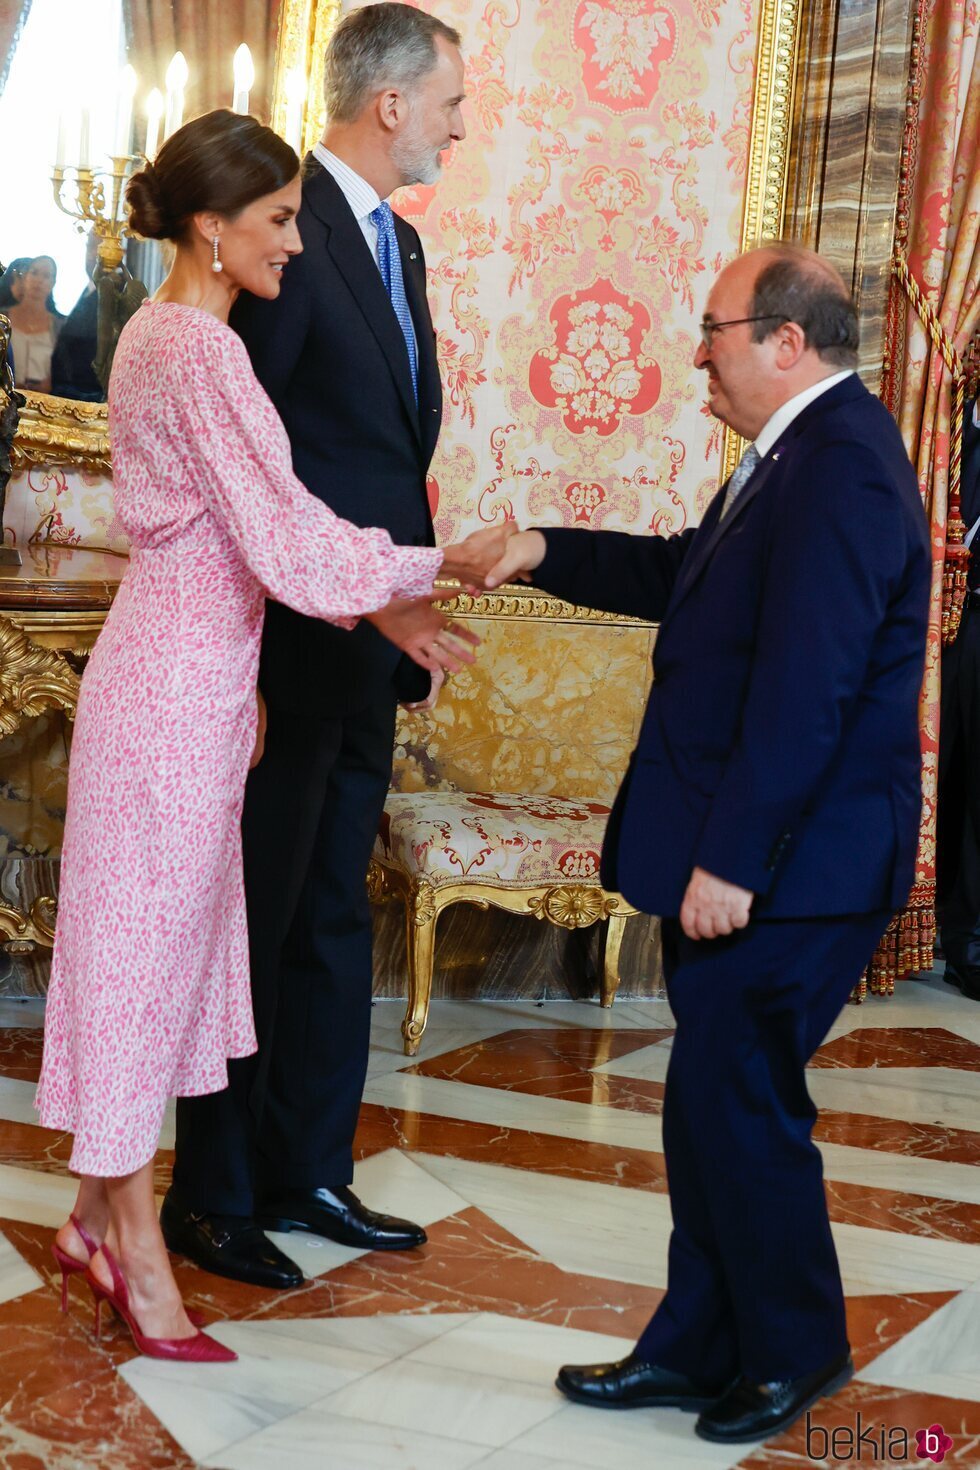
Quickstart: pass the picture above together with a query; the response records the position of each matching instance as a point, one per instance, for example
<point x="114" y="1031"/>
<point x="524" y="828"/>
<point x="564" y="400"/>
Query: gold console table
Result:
<point x="51" y="610"/>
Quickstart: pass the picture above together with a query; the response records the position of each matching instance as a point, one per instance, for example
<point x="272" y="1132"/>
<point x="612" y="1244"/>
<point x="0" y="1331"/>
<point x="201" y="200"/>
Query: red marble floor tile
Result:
<point x="20" y="1052"/>
<point x="901" y="1046"/>
<point x="554" y="1062"/>
<point x="895" y="1136"/>
<point x="883" y="1411"/>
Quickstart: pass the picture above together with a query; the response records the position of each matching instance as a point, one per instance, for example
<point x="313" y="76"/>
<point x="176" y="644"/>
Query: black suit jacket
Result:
<point x="331" y="355"/>
<point x="970" y="487"/>
<point x="780" y="747"/>
<point x="72" y="373"/>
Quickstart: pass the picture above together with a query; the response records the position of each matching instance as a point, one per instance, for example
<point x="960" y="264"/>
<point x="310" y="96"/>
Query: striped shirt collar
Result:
<point x="360" y="195"/>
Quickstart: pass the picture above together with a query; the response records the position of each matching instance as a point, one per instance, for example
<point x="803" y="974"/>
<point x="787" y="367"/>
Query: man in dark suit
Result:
<point x="958" y="817"/>
<point x="769" y="814"/>
<point x="347" y="355"/>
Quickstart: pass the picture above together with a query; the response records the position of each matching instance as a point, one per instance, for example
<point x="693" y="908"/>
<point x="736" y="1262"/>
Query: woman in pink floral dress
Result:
<point x="150" y="989"/>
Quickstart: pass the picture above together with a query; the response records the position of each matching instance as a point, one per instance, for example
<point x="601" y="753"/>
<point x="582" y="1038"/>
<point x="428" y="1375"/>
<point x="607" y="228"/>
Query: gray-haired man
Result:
<point x="347" y="354"/>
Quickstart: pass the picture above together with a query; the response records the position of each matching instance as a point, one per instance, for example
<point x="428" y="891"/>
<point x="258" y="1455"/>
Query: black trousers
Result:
<point x="958" y="819"/>
<point x="753" y="1283"/>
<point x="288" y="1115"/>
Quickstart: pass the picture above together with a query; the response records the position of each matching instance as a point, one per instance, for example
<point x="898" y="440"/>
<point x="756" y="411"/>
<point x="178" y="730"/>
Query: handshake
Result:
<point x="483" y="561"/>
<point x="490" y="557"/>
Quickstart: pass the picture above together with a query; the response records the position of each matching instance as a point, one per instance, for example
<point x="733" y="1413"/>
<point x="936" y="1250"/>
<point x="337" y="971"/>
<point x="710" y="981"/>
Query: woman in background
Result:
<point x="35" y="324"/>
<point x="150" y="990"/>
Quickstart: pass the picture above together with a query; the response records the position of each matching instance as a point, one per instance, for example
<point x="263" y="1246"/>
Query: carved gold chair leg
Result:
<point x="421" y="915"/>
<point x="612" y="944"/>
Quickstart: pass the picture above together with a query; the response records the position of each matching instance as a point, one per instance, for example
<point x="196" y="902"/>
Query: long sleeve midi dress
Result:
<point x="149" y="986"/>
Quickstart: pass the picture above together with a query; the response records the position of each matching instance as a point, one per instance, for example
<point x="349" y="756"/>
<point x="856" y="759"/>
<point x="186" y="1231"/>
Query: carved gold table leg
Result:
<point x="612" y="944"/>
<point x="421" y="914"/>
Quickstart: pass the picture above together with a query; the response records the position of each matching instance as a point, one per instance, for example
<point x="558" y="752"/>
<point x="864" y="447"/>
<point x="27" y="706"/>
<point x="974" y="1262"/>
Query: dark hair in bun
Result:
<point x="221" y="162"/>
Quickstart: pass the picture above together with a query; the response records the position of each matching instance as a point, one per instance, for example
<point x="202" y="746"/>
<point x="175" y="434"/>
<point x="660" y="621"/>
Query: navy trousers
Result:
<point x="753" y="1281"/>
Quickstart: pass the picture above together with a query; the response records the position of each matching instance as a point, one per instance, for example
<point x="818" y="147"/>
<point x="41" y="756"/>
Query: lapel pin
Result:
<point x="414" y="255"/>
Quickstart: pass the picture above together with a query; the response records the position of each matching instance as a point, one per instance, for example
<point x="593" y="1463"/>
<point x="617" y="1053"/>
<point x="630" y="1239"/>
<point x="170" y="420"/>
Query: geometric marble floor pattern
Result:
<point x="527" y="1139"/>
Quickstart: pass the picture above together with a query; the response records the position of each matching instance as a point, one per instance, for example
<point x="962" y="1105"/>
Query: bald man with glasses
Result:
<point x="769" y="815"/>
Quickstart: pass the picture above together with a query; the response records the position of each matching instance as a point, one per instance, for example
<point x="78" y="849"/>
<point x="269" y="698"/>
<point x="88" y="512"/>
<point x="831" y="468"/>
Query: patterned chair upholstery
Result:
<point x="501" y="795"/>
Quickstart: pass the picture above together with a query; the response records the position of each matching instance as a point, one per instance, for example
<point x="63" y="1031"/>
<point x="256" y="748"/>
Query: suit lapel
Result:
<point x="713" y="529"/>
<point x="430" y="386"/>
<point x="350" y="253"/>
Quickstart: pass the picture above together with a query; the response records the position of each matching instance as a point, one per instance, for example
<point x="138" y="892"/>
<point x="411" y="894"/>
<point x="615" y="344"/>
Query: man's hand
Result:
<point x="259" y="747"/>
<point x="438" y="679"/>
<point x="425" y="634"/>
<point x="469" y="561"/>
<point x="713" y="907"/>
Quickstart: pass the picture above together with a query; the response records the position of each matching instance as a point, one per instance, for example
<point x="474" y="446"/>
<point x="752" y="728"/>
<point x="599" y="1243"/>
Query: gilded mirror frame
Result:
<point x="60" y="431"/>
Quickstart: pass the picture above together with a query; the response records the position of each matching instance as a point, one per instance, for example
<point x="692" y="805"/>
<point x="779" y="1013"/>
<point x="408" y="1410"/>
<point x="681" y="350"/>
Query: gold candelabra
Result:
<point x="98" y="201"/>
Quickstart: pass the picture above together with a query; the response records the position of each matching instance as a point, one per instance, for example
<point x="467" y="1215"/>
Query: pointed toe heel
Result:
<point x="201" y="1348"/>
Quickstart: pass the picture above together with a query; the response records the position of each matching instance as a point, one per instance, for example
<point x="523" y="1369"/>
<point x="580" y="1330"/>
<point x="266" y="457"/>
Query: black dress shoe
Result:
<point x="338" y="1215"/>
<point x="966" y="978"/>
<point x="227" y="1245"/>
<point x="751" y="1411"/>
<point x="633" y="1384"/>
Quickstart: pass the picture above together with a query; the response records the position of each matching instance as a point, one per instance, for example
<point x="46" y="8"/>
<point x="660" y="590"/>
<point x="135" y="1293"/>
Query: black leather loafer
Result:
<point x="750" y="1411"/>
<point x="338" y="1215"/>
<point x="966" y="978"/>
<point x="633" y="1384"/>
<point x="227" y="1245"/>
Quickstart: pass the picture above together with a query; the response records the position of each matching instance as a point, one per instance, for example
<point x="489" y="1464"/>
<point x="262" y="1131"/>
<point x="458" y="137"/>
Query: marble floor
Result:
<point x="527" y="1139"/>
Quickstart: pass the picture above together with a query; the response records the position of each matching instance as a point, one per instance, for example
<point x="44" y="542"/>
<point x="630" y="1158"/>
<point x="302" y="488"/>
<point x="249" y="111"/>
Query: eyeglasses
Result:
<point x="708" y="329"/>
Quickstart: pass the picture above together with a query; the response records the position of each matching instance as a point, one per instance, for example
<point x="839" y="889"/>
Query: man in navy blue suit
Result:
<point x="769" y="814"/>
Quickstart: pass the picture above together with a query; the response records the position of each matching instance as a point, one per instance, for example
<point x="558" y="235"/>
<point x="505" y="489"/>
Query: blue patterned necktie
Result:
<point x="390" y="262"/>
<point x="749" y="462"/>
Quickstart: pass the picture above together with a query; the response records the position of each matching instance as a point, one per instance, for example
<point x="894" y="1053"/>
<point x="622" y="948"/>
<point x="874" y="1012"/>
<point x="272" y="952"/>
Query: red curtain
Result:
<point x="13" y="14"/>
<point x="209" y="33"/>
<point x="939" y="234"/>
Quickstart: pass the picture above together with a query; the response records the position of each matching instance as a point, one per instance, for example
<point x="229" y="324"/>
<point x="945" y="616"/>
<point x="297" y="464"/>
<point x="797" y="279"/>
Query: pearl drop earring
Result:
<point x="216" y="265"/>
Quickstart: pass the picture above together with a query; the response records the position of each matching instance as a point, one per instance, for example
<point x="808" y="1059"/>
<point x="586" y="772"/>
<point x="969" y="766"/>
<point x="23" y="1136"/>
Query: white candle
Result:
<point x="244" y="73"/>
<point x="61" y="148"/>
<point x="154" y="112"/>
<point x="124" y="111"/>
<point x="83" y="139"/>
<point x="295" y="98"/>
<point x="176" y="82"/>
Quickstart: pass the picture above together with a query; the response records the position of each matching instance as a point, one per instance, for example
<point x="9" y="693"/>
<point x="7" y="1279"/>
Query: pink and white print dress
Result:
<point x="149" y="984"/>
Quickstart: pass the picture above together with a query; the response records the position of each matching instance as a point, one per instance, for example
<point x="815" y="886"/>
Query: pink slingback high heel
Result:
<point x="197" y="1349"/>
<point x="69" y="1266"/>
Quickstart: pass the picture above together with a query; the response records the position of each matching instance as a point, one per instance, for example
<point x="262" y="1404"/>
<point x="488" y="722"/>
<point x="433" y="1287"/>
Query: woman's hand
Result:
<point x="425" y="634"/>
<point x="259" y="731"/>
<point x="498" y="554"/>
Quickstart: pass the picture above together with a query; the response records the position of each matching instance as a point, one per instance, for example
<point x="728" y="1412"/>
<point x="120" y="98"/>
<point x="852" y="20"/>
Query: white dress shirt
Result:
<point x="362" y="197"/>
<point x="792" y="408"/>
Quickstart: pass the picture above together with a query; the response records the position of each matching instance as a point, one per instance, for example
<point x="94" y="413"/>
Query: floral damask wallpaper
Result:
<point x="570" y="245"/>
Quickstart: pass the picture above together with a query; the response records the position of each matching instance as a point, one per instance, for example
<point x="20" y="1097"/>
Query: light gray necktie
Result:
<point x="749" y="462"/>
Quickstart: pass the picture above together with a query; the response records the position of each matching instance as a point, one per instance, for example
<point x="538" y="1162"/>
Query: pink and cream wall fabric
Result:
<point x="571" y="244"/>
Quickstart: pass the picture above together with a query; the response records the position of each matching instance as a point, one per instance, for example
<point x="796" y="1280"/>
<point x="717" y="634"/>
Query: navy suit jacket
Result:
<point x="780" y="746"/>
<point x="331" y="356"/>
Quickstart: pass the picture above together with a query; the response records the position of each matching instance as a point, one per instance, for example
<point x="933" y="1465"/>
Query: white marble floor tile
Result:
<point x="17" y="1101"/>
<point x="590" y="1229"/>
<point x="941" y="1095"/>
<point x="504" y="1109"/>
<point x="217" y="1404"/>
<point x="35" y="1197"/>
<point x="17" y="1278"/>
<point x="384" y="1338"/>
<point x="318" y="1439"/>
<point x="511" y="1459"/>
<point x="940" y="1356"/>
<point x="644" y="1439"/>
<point x="388" y="1182"/>
<point x="649" y="1063"/>
<point x="514" y="1348"/>
<point x="469" y="1406"/>
<point x="21" y="1012"/>
<point x="878" y="1170"/>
